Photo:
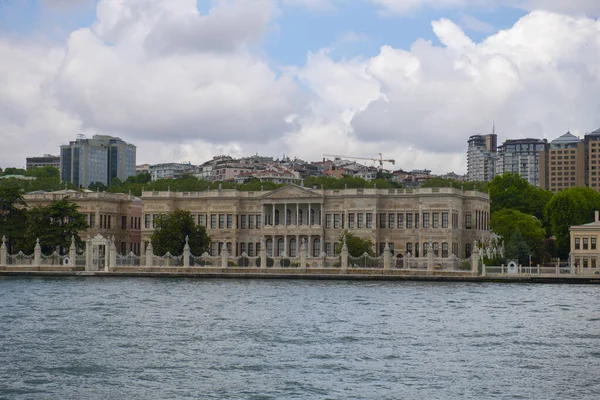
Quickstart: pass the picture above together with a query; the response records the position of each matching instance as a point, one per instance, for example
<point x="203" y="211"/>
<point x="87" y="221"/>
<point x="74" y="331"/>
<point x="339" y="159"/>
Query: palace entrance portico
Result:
<point x="291" y="215"/>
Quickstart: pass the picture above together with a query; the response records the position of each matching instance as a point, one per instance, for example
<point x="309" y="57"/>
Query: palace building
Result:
<point x="112" y="215"/>
<point x="409" y="220"/>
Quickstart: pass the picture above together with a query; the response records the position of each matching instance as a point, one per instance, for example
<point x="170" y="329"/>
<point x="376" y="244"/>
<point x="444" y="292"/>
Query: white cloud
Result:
<point x="474" y="24"/>
<point x="537" y="79"/>
<point x="184" y="86"/>
<point x="576" y="7"/>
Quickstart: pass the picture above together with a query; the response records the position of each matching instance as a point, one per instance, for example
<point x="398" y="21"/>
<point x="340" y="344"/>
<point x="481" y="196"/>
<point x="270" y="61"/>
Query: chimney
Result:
<point x="596" y="218"/>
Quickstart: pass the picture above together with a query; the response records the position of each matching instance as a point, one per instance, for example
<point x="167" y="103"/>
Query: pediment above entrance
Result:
<point x="291" y="192"/>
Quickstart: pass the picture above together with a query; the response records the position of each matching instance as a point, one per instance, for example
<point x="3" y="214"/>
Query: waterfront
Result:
<point x="269" y="339"/>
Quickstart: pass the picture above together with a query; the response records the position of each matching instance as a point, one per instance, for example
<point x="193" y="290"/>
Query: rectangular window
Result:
<point x="201" y="219"/>
<point x="593" y="263"/>
<point x="455" y="249"/>
<point x="425" y="220"/>
<point x="400" y="220"/>
<point x="577" y="243"/>
<point x="417" y="249"/>
<point x="369" y="220"/>
<point x="391" y="223"/>
<point x="243" y="221"/>
<point x="409" y="248"/>
<point x="445" y="250"/>
<point x="109" y="222"/>
<point x="250" y="221"/>
<point x="229" y="221"/>
<point x="409" y="220"/>
<point x="242" y="248"/>
<point x="154" y="220"/>
<point x="436" y="219"/>
<point x="468" y="222"/>
<point x="585" y="243"/>
<point x="93" y="220"/>
<point x="351" y="220"/>
<point x="213" y="221"/>
<point x="336" y="221"/>
<point x="328" y="221"/>
<point x="258" y="222"/>
<point x="416" y="220"/>
<point x="382" y="218"/>
<point x="336" y="248"/>
<point x="445" y="219"/>
<point x="585" y="263"/>
<point x="328" y="248"/>
<point x="467" y="250"/>
<point x="359" y="222"/>
<point x="593" y="243"/>
<point x="221" y="221"/>
<point x="123" y="222"/>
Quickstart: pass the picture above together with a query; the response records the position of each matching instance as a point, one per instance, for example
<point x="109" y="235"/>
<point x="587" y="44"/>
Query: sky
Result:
<point x="185" y="80"/>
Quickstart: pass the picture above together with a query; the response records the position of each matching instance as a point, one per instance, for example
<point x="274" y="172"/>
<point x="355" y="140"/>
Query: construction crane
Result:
<point x="380" y="160"/>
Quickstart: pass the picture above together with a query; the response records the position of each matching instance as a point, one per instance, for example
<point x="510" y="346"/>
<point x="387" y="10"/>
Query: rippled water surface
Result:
<point x="107" y="338"/>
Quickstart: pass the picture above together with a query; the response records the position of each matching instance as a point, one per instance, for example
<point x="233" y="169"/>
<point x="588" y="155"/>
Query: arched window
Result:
<point x="300" y="218"/>
<point x="269" y="247"/>
<point x="288" y="217"/>
<point x="425" y="249"/>
<point x="312" y="216"/>
<point x="276" y="217"/>
<point x="417" y="249"/>
<point x="280" y="247"/>
<point x="229" y="248"/>
<point x="436" y="249"/>
<point x="445" y="250"/>
<point x="316" y="247"/>
<point x="250" y="249"/>
<point x="293" y="247"/>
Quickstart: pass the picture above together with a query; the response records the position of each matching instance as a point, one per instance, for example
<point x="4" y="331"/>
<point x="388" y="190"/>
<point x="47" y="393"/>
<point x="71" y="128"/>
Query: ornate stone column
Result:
<point x="429" y="255"/>
<point x="344" y="257"/>
<point x="273" y="216"/>
<point x="186" y="252"/>
<point x="303" y="256"/>
<point x="72" y="252"/>
<point x="386" y="256"/>
<point x="113" y="255"/>
<point x="3" y="252"/>
<point x="149" y="254"/>
<point x="263" y="254"/>
<point x="224" y="256"/>
<point x="37" y="254"/>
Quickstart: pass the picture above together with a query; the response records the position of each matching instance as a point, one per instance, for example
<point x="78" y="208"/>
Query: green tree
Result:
<point x="516" y="248"/>
<point x="43" y="172"/>
<point x="505" y="222"/>
<point x="142" y="177"/>
<point x="357" y="246"/>
<point x="54" y="225"/>
<point x="511" y="191"/>
<point x="97" y="187"/>
<point x="12" y="215"/>
<point x="171" y="230"/>
<point x="570" y="207"/>
<point x="14" y="171"/>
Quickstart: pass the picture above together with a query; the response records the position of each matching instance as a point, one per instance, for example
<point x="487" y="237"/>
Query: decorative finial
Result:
<point x="187" y="239"/>
<point x="344" y="239"/>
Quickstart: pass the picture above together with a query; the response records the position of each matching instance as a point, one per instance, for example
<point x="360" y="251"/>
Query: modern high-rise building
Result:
<point x="481" y="153"/>
<point x="562" y="166"/>
<point x="521" y="156"/>
<point x="592" y="165"/>
<point x="100" y="159"/>
<point x="47" y="160"/>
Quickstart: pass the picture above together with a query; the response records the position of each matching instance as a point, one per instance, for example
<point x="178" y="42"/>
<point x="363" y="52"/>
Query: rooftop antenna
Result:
<point x="494" y="127"/>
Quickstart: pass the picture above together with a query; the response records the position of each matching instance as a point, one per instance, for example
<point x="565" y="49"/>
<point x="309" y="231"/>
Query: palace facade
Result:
<point x="409" y="220"/>
<point x="112" y="215"/>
